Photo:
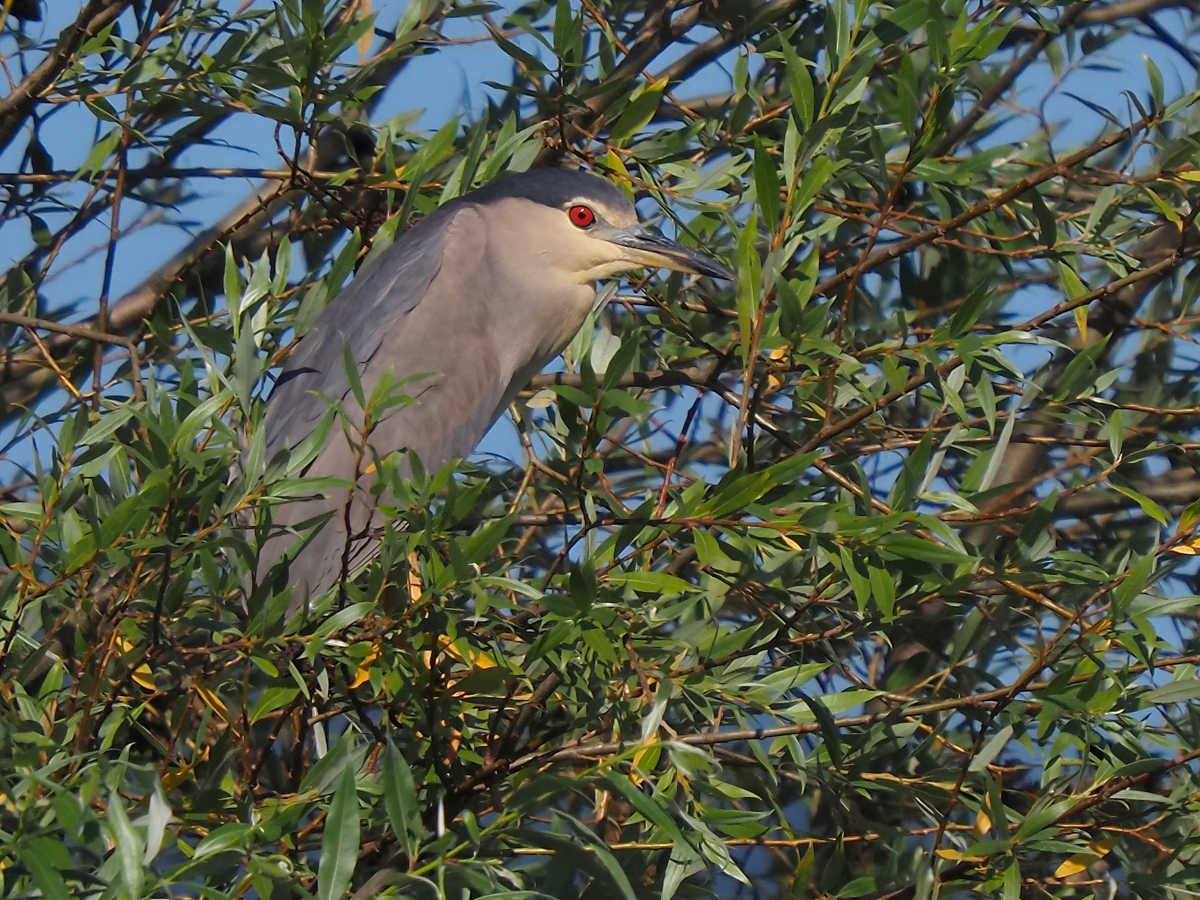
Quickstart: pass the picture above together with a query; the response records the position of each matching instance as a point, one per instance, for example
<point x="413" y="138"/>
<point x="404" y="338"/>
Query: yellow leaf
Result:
<point x="1169" y="212"/>
<point x="773" y="381"/>
<point x="635" y="773"/>
<point x="213" y="702"/>
<point x="448" y="647"/>
<point x="617" y="170"/>
<point x="1190" y="175"/>
<point x="143" y="676"/>
<point x="363" y="673"/>
<point x="790" y="543"/>
<point x="1074" y="288"/>
<point x="1081" y="315"/>
<point x="364" y="43"/>
<point x="481" y="660"/>
<point x="415" y="588"/>
<point x="1075" y="864"/>
<point x="1184" y="550"/>
<point x="983" y="823"/>
<point x="462" y="651"/>
<point x="644" y="761"/>
<point x="944" y="853"/>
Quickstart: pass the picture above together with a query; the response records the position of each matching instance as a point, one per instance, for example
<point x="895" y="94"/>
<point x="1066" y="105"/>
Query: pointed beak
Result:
<point x="648" y="248"/>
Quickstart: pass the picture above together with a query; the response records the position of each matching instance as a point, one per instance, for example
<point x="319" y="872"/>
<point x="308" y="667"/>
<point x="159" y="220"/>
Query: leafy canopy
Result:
<point x="871" y="575"/>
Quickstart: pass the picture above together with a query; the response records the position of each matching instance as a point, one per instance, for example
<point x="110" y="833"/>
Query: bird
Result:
<point x="468" y="304"/>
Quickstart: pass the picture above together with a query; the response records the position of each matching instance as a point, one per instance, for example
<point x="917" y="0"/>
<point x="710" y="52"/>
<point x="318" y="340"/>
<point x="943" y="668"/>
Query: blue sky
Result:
<point x="452" y="82"/>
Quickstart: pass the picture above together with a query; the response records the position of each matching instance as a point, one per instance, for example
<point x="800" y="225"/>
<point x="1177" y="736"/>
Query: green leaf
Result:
<point x="350" y="365"/>
<point x="108" y="424"/>
<point x="1012" y="881"/>
<point x="1148" y="506"/>
<point x="129" y="845"/>
<point x="991" y="749"/>
<point x="1116" y="434"/>
<point x="912" y="474"/>
<point x="233" y="290"/>
<point x="652" y="582"/>
<point x="523" y="58"/>
<point x="400" y="801"/>
<point x="1046" y="219"/>
<point x="221" y="839"/>
<point x="859" y="583"/>
<point x="1045" y="813"/>
<point x="44" y="858"/>
<point x="974" y="306"/>
<point x="40" y="231"/>
<point x="683" y="861"/>
<point x="747" y="488"/>
<point x="803" y="875"/>
<point x="614" y="869"/>
<point x="829" y="729"/>
<point x="1181" y="691"/>
<point x="914" y="547"/>
<point x="641" y="109"/>
<point x="749" y="279"/>
<point x="1074" y="289"/>
<point x="766" y="185"/>
<point x="1190" y="517"/>
<point x="99" y="154"/>
<point x="800" y="83"/>
<point x="273" y="698"/>
<point x="433" y="151"/>
<point x="814" y="179"/>
<point x="1133" y="584"/>
<point x="340" y="840"/>
<point x="883" y="591"/>
<point x="646" y="807"/>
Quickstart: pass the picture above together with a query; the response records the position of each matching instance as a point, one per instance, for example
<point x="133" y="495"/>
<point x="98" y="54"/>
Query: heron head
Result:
<point x="590" y="227"/>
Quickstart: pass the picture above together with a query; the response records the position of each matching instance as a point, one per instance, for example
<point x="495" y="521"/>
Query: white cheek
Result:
<point x="599" y="259"/>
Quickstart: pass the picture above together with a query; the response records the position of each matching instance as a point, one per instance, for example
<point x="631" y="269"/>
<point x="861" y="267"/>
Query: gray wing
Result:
<point x="443" y="328"/>
<point x="363" y="313"/>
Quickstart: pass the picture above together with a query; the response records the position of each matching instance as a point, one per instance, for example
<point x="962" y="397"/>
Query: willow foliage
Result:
<point x="871" y="575"/>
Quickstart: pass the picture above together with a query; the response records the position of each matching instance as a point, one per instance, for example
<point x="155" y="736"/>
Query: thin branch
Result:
<point x="20" y="103"/>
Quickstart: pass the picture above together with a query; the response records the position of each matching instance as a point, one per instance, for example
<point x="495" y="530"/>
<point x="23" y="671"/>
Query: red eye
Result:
<point x="581" y="216"/>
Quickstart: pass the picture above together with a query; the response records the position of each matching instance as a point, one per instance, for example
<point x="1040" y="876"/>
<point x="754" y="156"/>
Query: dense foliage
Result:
<point x="871" y="575"/>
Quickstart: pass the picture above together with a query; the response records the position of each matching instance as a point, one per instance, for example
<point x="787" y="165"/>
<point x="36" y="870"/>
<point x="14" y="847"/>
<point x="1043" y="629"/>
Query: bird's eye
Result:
<point x="582" y="216"/>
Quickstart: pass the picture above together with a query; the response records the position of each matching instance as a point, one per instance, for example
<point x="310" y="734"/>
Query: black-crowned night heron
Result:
<point x="476" y="298"/>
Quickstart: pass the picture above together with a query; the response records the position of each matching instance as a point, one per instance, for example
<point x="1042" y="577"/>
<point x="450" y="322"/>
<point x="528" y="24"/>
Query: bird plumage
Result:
<point x="468" y="303"/>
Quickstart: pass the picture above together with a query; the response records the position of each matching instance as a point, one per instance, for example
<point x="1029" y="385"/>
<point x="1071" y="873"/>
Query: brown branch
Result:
<point x="980" y="700"/>
<point x="25" y="377"/>
<point x="83" y="333"/>
<point x="992" y="204"/>
<point x="248" y="227"/>
<point x="1001" y="85"/>
<point x="924" y="237"/>
<point x="696" y="375"/>
<point x="159" y="171"/>
<point x="19" y="105"/>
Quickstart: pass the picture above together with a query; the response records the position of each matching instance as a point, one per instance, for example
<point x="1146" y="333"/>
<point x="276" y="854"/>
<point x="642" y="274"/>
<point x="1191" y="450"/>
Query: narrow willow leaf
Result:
<point x="400" y="801"/>
<point x="129" y="846"/>
<point x="340" y="840"/>
<point x="766" y="185"/>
